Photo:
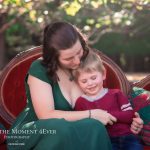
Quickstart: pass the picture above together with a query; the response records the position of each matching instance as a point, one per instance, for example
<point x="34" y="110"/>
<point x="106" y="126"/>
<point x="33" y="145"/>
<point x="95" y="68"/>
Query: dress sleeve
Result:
<point x="125" y="113"/>
<point x="39" y="71"/>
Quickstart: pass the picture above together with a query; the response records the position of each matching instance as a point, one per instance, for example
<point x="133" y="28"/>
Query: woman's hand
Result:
<point x="137" y="124"/>
<point x="103" y="116"/>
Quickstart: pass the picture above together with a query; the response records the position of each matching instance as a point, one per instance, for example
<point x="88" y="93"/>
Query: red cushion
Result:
<point x="112" y="80"/>
<point x="2" y="137"/>
<point x="3" y="147"/>
<point x="14" y="87"/>
<point x="146" y="147"/>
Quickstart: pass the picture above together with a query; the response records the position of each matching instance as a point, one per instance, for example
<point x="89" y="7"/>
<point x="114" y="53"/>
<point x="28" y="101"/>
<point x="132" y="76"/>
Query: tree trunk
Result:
<point x="2" y="43"/>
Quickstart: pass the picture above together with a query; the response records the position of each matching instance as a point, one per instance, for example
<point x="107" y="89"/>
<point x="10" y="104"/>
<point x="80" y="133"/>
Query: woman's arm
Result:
<point x="43" y="103"/>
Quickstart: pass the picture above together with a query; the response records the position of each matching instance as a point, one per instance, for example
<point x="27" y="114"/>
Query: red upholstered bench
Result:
<point x="12" y="88"/>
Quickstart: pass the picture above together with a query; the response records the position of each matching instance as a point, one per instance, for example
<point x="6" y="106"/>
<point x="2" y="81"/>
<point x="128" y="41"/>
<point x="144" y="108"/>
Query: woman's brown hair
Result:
<point x="58" y="36"/>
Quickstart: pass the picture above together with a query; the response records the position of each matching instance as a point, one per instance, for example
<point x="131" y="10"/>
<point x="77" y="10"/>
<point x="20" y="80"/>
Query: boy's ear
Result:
<point x="104" y="74"/>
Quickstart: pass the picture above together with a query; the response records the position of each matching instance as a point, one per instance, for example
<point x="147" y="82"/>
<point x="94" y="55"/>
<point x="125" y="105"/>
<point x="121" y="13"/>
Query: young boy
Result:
<point x="90" y="76"/>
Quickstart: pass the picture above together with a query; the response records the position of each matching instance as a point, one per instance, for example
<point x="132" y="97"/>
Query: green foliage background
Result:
<point x="119" y="28"/>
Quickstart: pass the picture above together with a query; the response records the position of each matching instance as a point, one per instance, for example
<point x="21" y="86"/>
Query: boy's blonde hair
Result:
<point x="92" y="62"/>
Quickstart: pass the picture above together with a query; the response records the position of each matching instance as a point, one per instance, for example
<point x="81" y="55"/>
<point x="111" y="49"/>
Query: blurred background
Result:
<point x="118" y="28"/>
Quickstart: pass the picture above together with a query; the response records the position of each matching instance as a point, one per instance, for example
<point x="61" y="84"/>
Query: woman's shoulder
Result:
<point x="37" y="64"/>
<point x="38" y="70"/>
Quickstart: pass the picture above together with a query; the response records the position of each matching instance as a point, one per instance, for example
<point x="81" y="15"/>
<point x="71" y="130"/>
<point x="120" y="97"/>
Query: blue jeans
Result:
<point x="128" y="142"/>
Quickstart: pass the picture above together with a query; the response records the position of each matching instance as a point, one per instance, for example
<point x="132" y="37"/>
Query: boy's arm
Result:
<point x="124" y="117"/>
<point x="126" y="113"/>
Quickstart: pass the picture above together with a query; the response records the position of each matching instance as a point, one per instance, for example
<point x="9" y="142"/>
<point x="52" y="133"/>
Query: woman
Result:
<point x="48" y="122"/>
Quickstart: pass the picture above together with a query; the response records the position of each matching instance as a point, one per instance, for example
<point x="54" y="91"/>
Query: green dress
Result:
<point x="28" y="132"/>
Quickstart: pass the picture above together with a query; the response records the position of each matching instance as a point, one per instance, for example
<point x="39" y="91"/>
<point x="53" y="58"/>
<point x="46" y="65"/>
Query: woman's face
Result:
<point x="70" y="58"/>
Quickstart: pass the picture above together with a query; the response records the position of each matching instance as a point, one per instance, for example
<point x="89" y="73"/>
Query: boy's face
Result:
<point x="91" y="82"/>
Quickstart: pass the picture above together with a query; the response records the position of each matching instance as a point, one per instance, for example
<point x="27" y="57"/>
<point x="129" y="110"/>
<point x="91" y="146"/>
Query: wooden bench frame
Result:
<point x="7" y="118"/>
